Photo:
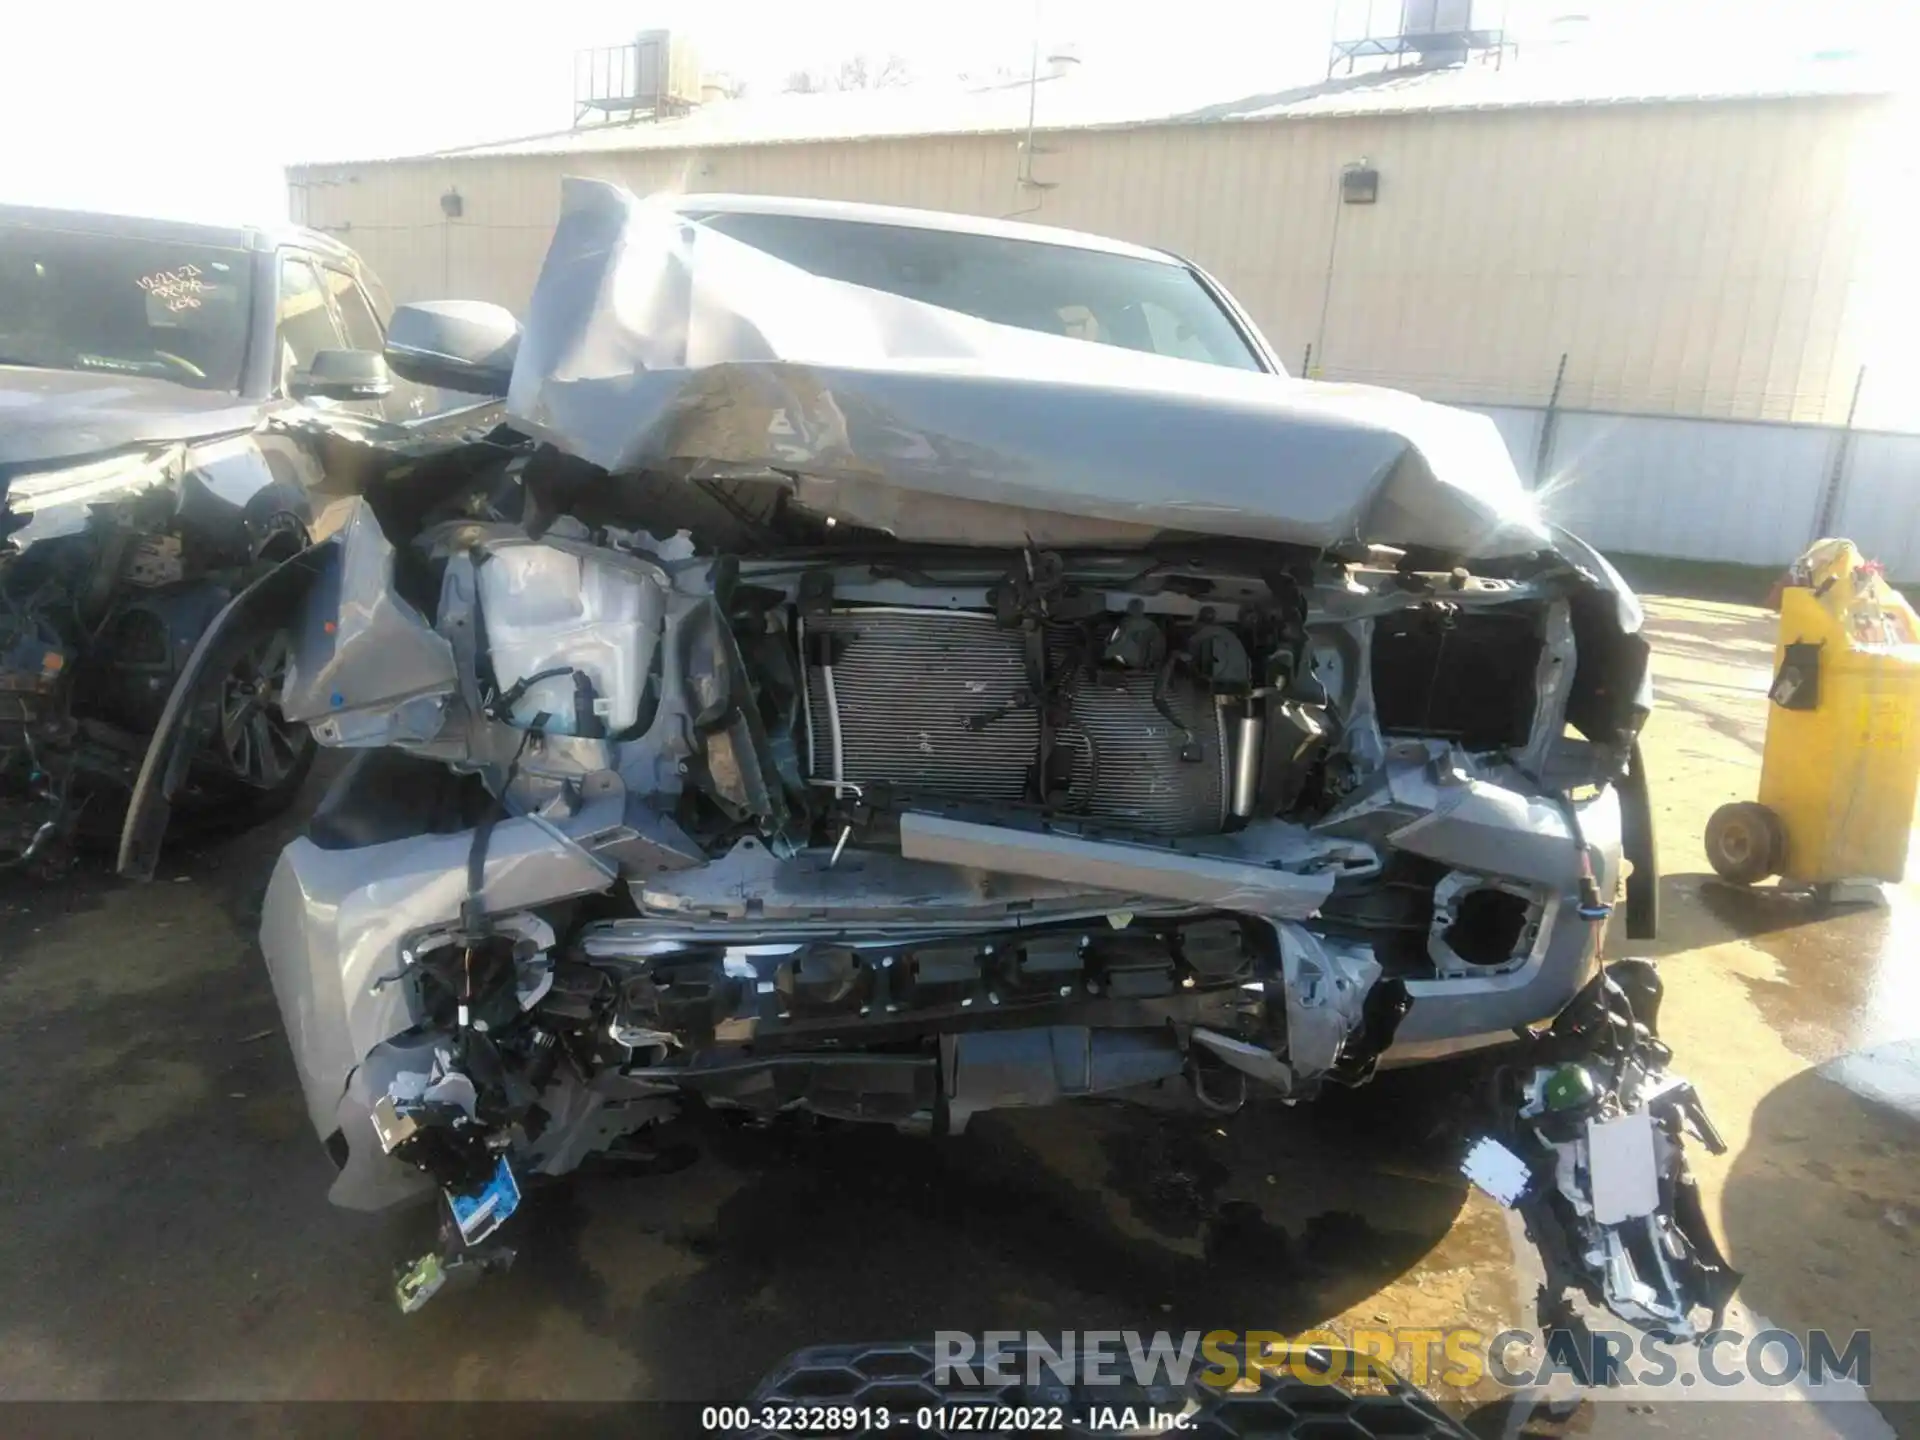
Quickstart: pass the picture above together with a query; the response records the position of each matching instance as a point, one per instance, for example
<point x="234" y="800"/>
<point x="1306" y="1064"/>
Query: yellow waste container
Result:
<point x="1842" y="758"/>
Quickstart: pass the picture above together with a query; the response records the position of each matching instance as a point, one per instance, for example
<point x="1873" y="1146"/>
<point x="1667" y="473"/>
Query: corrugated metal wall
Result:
<point x="1879" y="501"/>
<point x="1697" y="259"/>
<point x="1751" y="495"/>
<point x="1744" y="492"/>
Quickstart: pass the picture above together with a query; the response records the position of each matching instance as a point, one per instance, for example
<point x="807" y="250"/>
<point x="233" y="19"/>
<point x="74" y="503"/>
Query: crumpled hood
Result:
<point x="654" y="343"/>
<point x="50" y="417"/>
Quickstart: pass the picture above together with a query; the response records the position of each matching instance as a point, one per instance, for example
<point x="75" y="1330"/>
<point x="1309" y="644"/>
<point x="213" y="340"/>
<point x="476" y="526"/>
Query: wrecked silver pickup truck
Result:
<point x="845" y="697"/>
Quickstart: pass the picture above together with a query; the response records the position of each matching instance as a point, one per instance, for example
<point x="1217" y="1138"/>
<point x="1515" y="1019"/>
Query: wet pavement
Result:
<point x="167" y="1233"/>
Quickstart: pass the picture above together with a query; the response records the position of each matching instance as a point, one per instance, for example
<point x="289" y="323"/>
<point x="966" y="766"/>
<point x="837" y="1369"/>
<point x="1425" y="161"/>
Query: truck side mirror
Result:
<point x="342" y="375"/>
<point x="464" y="345"/>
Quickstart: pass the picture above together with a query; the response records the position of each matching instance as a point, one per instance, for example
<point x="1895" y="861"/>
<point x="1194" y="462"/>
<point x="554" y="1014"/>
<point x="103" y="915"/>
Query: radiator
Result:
<point x="893" y="708"/>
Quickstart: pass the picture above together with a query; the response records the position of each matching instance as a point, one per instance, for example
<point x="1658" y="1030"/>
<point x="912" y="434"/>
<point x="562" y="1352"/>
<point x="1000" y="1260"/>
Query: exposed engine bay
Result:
<point x="901" y="833"/>
<point x="827" y="737"/>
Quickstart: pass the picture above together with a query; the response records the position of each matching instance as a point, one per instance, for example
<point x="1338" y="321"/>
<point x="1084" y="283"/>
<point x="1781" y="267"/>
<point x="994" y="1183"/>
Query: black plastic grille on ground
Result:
<point x="900" y="1378"/>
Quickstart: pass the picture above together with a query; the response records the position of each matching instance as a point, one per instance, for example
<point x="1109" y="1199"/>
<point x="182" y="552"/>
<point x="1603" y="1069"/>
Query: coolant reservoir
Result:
<point x="550" y="610"/>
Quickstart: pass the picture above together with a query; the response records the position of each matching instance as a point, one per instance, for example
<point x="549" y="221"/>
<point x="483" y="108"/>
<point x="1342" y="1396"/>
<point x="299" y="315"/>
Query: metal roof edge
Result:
<point x="1280" y="110"/>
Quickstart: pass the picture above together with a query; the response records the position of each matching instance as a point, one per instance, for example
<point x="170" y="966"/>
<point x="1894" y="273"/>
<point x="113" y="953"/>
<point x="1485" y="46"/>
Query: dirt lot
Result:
<point x="167" y="1234"/>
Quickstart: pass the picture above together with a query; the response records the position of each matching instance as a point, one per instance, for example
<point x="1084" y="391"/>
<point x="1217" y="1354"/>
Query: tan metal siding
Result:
<point x="1695" y="259"/>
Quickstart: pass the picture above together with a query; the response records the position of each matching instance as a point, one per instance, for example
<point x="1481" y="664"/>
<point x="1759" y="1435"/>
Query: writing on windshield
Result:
<point x="176" y="289"/>
<point x="170" y="309"/>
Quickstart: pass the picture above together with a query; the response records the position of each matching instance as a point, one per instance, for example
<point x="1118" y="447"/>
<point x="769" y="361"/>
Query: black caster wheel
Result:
<point x="1746" y="843"/>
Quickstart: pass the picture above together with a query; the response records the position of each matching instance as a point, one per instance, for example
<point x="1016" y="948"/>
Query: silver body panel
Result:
<point x="1157" y="925"/>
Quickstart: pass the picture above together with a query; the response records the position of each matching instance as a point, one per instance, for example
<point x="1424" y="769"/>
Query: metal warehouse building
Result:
<point x="1699" y="253"/>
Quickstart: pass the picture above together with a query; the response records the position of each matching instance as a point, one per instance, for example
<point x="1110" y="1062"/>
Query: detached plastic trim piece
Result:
<point x="177" y="736"/>
<point x="1637" y="843"/>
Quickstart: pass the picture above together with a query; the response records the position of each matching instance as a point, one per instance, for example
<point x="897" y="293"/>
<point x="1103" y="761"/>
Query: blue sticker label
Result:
<point x="480" y="1214"/>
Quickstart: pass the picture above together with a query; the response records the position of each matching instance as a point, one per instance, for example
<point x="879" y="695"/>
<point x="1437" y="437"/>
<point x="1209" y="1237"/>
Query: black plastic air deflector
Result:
<point x="1637" y="843"/>
<point x="383" y="795"/>
<point x="1458" y="675"/>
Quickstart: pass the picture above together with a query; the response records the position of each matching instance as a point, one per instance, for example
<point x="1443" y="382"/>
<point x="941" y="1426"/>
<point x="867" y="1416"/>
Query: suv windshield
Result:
<point x="1156" y="306"/>
<point x="74" y="300"/>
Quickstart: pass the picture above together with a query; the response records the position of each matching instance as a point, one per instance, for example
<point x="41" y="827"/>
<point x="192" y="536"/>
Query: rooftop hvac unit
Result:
<point x="1432" y="33"/>
<point x="658" y="74"/>
<point x="666" y="70"/>
<point x="1435" y="17"/>
<point x="1438" y="31"/>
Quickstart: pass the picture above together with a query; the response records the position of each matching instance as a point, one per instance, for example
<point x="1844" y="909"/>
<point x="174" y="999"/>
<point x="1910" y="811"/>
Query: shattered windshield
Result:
<point x="71" y="300"/>
<point x="1159" y="307"/>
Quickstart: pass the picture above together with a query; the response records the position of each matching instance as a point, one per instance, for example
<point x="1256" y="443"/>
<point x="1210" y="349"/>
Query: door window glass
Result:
<point x="356" y="315"/>
<point x="304" y="325"/>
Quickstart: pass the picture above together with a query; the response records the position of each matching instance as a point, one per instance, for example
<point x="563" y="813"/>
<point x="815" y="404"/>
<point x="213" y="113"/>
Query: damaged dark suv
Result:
<point x="842" y="687"/>
<point x="167" y="396"/>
